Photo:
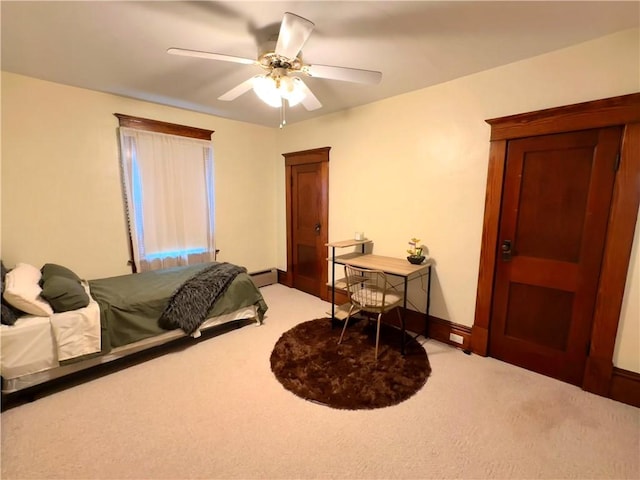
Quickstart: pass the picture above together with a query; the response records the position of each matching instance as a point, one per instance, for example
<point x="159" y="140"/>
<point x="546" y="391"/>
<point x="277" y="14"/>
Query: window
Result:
<point x="169" y="195"/>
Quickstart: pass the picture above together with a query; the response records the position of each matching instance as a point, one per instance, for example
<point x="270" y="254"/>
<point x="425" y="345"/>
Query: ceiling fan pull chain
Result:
<point x="283" y="120"/>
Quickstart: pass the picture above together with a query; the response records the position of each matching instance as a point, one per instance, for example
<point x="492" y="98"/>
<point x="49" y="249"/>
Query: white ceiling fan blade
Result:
<point x="294" y="32"/>
<point x="309" y="101"/>
<point x="210" y="56"/>
<point x="342" y="73"/>
<point x="238" y="90"/>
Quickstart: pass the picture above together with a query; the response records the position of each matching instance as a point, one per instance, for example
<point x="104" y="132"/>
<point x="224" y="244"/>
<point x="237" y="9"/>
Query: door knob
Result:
<point x="317" y="228"/>
<point x="506" y="250"/>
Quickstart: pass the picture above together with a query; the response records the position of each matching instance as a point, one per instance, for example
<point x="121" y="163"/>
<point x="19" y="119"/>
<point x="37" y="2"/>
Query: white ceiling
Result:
<point x="120" y="47"/>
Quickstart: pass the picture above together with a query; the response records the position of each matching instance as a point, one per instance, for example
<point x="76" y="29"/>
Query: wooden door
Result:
<point x="307" y="215"/>
<point x="555" y="209"/>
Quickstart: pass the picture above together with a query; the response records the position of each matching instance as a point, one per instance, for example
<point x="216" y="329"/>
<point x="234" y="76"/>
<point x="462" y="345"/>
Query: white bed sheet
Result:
<point x="28" y="354"/>
<point x="77" y="332"/>
<point x="27" y="347"/>
<point x="34" y="344"/>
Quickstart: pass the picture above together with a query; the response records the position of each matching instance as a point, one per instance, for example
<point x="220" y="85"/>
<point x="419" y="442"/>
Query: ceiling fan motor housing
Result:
<point x="270" y="60"/>
<point x="267" y="57"/>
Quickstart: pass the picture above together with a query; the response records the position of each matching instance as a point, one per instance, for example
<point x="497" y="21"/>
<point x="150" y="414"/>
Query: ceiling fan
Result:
<point x="282" y="65"/>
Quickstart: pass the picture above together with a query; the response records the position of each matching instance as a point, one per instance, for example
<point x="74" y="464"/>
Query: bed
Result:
<point x="122" y="315"/>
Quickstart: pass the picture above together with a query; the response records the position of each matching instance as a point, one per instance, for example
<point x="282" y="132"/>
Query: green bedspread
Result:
<point x="130" y="305"/>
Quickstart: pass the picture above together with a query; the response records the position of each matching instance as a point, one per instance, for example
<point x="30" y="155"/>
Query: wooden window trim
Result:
<point x="163" y="127"/>
<point x="159" y="127"/>
<point x="622" y="110"/>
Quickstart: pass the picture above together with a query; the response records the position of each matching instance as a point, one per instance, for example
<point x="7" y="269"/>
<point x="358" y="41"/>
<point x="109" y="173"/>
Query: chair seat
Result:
<point x="374" y="299"/>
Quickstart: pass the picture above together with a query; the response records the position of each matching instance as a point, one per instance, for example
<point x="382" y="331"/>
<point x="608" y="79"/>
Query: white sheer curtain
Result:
<point x="168" y="185"/>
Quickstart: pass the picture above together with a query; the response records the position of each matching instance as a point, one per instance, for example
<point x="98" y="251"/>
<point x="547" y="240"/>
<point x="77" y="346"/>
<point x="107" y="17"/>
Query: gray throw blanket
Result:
<point x="190" y="304"/>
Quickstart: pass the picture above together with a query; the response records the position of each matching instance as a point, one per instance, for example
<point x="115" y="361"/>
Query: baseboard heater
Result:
<point x="264" y="277"/>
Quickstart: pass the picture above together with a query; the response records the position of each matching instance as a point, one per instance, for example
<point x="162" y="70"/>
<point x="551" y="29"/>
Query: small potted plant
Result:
<point x="415" y="252"/>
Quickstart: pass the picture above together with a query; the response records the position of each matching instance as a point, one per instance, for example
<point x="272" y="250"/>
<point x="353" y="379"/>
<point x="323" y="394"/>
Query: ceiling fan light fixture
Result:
<point x="294" y="92"/>
<point x="266" y="89"/>
<point x="271" y="90"/>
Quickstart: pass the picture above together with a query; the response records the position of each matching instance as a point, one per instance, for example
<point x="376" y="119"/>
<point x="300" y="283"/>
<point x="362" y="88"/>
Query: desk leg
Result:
<point x="333" y="286"/>
<point x="404" y="306"/>
<point x="426" y="320"/>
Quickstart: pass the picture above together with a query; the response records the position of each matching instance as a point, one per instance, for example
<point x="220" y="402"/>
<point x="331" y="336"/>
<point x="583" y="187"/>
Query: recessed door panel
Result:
<point x="539" y="315"/>
<point x="553" y="200"/>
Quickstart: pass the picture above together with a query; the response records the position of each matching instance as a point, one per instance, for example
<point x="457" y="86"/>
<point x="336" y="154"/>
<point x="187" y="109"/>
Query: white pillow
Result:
<point x="22" y="290"/>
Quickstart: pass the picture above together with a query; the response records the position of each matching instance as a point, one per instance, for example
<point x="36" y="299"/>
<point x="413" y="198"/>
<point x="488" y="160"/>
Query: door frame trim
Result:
<point x="621" y="110"/>
<point x="291" y="159"/>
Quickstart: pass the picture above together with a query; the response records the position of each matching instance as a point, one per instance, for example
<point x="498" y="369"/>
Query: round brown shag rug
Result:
<point x="308" y="361"/>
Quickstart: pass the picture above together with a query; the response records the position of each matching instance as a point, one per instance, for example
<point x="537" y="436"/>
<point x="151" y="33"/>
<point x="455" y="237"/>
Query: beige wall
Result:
<point x="61" y="191"/>
<point x="416" y="164"/>
<point x="419" y="160"/>
<point x="627" y="351"/>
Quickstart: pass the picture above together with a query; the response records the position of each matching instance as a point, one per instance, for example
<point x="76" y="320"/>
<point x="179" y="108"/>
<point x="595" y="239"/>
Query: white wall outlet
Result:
<point x="456" y="338"/>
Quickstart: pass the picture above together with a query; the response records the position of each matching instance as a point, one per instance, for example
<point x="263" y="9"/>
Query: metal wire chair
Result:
<point x="368" y="291"/>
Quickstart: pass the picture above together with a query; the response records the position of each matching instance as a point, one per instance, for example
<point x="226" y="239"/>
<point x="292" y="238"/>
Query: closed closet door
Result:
<point x="555" y="208"/>
<point x="307" y="220"/>
<point x="308" y="247"/>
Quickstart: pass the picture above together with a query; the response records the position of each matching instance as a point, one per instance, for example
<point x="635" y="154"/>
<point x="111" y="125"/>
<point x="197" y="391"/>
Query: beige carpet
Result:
<point x="215" y="410"/>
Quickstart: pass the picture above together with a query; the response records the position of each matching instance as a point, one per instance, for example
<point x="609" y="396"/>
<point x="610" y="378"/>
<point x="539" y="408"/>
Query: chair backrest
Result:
<point x="367" y="289"/>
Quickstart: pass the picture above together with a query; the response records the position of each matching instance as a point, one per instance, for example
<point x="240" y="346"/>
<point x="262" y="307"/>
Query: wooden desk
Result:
<point x="399" y="267"/>
<point x="391" y="265"/>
